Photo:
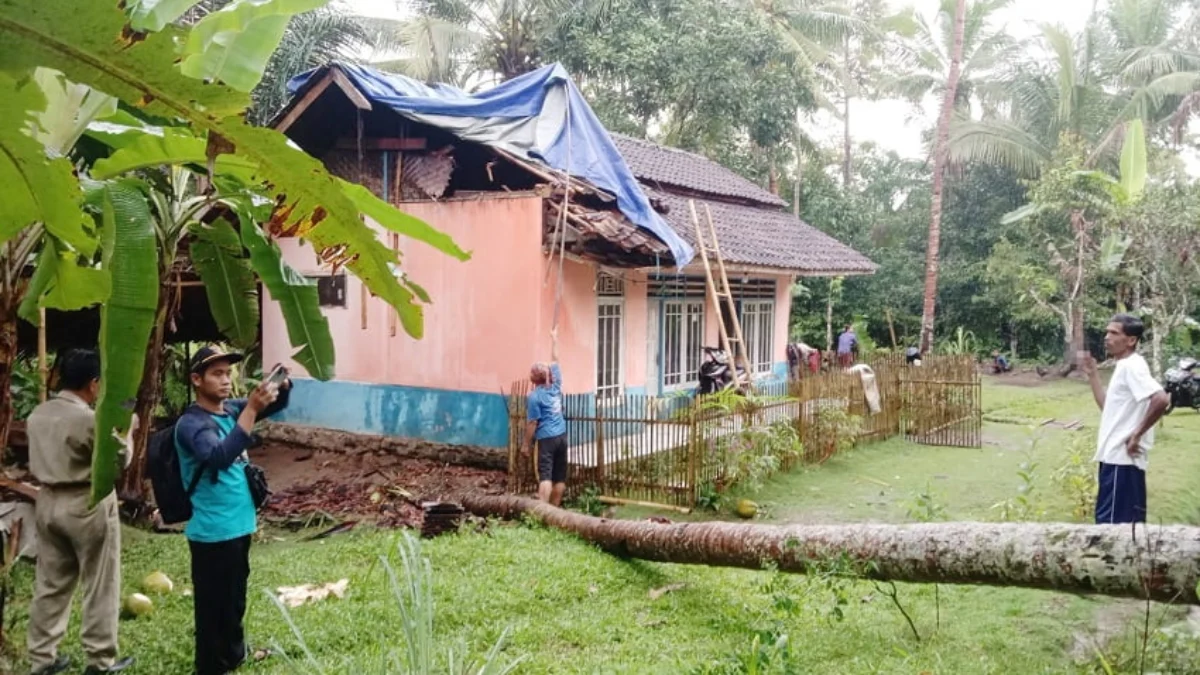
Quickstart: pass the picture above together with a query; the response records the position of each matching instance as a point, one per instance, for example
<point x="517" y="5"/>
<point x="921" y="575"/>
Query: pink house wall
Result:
<point x="490" y="316"/>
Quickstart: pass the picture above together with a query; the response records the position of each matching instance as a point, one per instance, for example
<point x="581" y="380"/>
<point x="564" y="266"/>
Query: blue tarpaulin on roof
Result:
<point x="528" y="116"/>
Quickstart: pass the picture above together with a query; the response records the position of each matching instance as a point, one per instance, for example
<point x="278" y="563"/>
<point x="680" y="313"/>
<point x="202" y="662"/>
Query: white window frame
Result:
<point x="758" y="329"/>
<point x="689" y="355"/>
<point x="606" y="391"/>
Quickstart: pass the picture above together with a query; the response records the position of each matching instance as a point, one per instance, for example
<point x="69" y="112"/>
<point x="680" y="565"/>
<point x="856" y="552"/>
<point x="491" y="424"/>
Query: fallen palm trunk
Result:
<point x="1115" y="560"/>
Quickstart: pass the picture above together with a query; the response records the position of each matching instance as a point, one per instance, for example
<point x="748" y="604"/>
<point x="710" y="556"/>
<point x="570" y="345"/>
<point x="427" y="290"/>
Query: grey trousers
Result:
<point x="76" y="544"/>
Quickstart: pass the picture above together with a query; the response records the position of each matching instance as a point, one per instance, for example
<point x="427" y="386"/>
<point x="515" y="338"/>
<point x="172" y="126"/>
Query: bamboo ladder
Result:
<point x="706" y="244"/>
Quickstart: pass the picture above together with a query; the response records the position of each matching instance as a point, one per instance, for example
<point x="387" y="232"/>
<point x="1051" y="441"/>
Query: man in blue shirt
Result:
<point x="547" y="425"/>
<point x="212" y="436"/>
<point x="847" y="345"/>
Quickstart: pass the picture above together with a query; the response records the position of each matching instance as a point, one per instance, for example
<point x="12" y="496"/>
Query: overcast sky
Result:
<point x="892" y="124"/>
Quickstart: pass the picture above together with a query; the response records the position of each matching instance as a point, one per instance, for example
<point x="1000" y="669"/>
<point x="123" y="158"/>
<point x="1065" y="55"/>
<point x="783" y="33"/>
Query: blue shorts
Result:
<point x="1122" y="494"/>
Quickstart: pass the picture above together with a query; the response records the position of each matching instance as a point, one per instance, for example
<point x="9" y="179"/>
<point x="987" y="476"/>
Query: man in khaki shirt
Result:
<point x="75" y="542"/>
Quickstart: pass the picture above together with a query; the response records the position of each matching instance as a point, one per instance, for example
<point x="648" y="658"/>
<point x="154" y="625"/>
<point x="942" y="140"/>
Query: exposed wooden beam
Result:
<point x="347" y="143"/>
<point x="298" y="107"/>
<point x="356" y="97"/>
<point x="331" y="76"/>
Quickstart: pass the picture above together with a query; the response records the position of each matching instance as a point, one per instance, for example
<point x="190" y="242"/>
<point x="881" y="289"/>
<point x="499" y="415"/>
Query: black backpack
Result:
<point x="166" y="478"/>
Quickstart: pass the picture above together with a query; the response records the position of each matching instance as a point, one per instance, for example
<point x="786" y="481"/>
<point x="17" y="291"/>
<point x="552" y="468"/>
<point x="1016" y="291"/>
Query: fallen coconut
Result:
<point x="746" y="509"/>
<point x="158" y="583"/>
<point x="136" y="606"/>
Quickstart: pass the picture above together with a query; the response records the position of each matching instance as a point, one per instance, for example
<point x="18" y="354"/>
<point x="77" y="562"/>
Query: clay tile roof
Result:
<point x="661" y="166"/>
<point x="766" y="236"/>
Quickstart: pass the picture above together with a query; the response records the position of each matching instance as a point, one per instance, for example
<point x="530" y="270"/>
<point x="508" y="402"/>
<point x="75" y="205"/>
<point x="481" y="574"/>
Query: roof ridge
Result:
<point x="672" y="148"/>
<point x="721" y="181"/>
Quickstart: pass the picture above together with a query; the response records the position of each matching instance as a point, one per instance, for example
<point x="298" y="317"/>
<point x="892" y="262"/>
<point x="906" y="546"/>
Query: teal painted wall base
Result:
<point x="445" y="416"/>
<point x="439" y="415"/>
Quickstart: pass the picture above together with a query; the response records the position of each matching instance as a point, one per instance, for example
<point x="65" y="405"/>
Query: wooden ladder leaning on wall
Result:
<point x="718" y="288"/>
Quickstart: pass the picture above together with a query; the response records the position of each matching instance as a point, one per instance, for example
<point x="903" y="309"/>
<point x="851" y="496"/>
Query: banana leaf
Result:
<point x="217" y="253"/>
<point x="130" y="252"/>
<point x="91" y="43"/>
<point x="154" y="15"/>
<point x="33" y="187"/>
<point x="60" y="282"/>
<point x="233" y="45"/>
<point x="1133" y="161"/>
<point x="307" y="327"/>
<point x="159" y="146"/>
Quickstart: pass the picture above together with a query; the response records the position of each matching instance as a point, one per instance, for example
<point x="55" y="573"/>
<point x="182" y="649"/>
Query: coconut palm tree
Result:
<point x="839" y="42"/>
<point x="473" y="41"/>
<point x="924" y="57"/>
<point x="941" y="153"/>
<point x="1137" y="59"/>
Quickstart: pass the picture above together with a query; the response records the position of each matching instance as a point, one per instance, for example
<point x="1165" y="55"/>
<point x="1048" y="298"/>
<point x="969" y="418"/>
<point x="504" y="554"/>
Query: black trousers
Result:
<point x="219" y="574"/>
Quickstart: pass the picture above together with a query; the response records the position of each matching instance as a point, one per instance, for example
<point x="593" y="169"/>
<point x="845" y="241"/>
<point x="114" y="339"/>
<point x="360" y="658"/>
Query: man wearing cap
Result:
<point x="76" y="542"/>
<point x="212" y="436"/>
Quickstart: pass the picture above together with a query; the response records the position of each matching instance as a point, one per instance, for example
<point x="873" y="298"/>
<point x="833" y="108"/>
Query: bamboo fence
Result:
<point x="670" y="449"/>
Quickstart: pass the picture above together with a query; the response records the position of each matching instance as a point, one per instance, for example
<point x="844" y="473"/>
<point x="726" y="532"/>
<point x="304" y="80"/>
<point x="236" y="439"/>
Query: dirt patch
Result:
<point x="1109" y="622"/>
<point x="1028" y="377"/>
<point x="378" y="487"/>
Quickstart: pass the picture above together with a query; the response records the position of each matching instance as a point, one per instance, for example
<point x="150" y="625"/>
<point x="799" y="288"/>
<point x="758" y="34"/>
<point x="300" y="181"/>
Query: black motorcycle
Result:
<point x="1182" y="385"/>
<point x="716" y="373"/>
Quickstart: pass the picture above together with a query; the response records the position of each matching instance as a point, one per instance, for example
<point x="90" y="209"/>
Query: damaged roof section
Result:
<point x="404" y="160"/>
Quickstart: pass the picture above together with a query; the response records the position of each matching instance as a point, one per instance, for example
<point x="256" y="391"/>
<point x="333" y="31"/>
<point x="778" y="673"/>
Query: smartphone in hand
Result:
<point x="277" y="377"/>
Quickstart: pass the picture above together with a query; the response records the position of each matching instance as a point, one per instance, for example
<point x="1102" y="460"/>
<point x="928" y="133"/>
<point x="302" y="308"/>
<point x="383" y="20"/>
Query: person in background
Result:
<point x="76" y="542"/>
<point x="547" y="425"/>
<point x="1000" y="363"/>
<point x="1130" y="408"/>
<point x="212" y="436"/>
<point x="847" y="347"/>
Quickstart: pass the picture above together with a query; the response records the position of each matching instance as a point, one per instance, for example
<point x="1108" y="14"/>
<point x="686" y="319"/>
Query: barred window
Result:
<point x="609" y="352"/>
<point x="758" y="329"/>
<point x="683" y="334"/>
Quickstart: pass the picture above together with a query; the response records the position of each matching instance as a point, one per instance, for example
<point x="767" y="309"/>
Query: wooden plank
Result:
<point x="347" y="143"/>
<point x="617" y="501"/>
<point x="356" y="97"/>
<point x="298" y="107"/>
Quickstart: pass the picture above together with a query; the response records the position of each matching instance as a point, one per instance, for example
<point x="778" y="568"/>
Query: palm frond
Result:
<point x="1145" y="101"/>
<point x="1188" y="107"/>
<point x="1000" y="143"/>
<point x="312" y="39"/>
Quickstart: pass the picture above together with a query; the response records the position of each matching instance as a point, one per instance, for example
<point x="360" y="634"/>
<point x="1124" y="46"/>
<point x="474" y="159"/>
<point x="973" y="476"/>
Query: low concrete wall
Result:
<point x="332" y="440"/>
<point x="438" y="415"/>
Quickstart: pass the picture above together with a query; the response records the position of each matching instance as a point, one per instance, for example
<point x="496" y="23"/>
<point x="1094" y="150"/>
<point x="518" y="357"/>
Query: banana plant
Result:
<point x="199" y="77"/>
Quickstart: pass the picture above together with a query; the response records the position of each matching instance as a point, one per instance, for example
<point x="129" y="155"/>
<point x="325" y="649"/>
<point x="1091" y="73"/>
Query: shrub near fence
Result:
<point x="670" y="449"/>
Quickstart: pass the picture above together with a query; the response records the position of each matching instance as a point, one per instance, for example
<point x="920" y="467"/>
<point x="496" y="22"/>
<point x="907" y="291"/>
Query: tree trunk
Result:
<point x="799" y="192"/>
<point x="773" y="178"/>
<point x="1114" y="560"/>
<point x="1069" y="349"/>
<point x="940" y="155"/>
<point x="1156" y="340"/>
<point x="149" y="392"/>
<point x="8" y="357"/>
<point x="847" y="160"/>
<point x="829" y="320"/>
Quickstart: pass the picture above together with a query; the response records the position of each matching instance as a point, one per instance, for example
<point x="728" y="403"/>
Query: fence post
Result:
<point x="693" y="449"/>
<point x="600" y="447"/>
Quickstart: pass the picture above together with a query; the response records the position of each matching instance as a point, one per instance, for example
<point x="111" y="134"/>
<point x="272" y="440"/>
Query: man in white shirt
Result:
<point x="1129" y="409"/>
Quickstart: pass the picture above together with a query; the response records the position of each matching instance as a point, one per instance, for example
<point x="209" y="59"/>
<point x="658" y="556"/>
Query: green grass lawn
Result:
<point x="573" y="609"/>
